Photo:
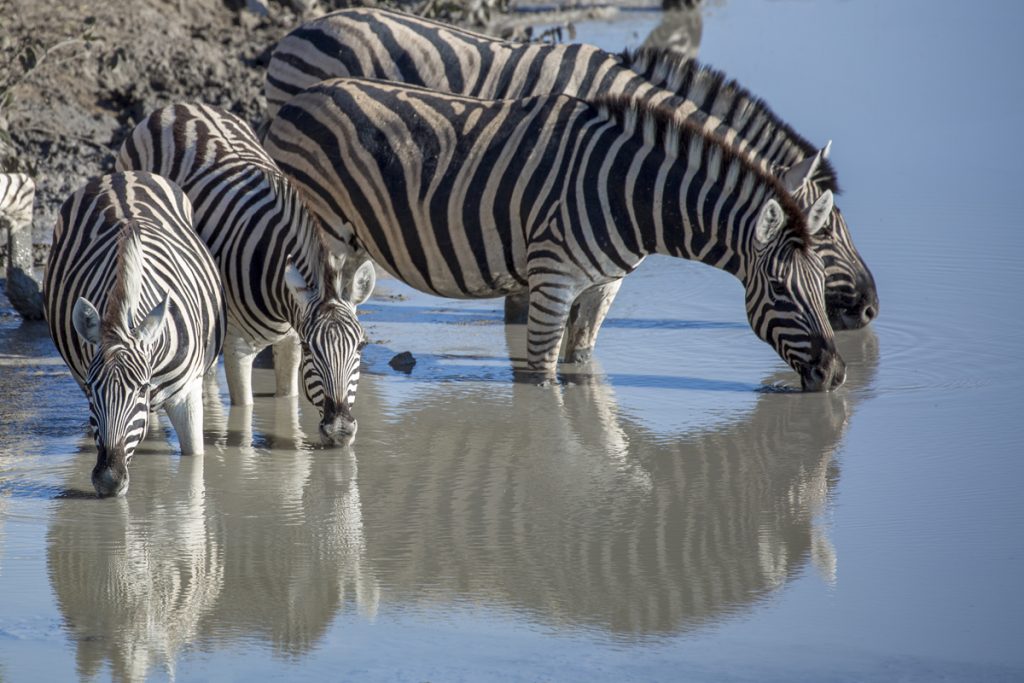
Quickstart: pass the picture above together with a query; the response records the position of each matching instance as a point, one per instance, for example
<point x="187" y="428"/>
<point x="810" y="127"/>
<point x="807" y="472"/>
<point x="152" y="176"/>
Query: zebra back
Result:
<point x="394" y="46"/>
<point x="90" y="258"/>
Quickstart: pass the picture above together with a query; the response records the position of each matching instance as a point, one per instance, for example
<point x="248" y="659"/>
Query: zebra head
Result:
<point x="785" y="297"/>
<point x="118" y="386"/>
<point x="851" y="298"/>
<point x="332" y="341"/>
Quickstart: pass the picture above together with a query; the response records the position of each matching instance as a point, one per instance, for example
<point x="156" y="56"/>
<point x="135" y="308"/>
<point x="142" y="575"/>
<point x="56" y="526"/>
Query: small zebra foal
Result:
<point x="281" y="283"/>
<point x="133" y="301"/>
<point x="470" y="198"/>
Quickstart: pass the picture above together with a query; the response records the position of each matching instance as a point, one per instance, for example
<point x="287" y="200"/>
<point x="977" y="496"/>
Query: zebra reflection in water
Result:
<point x="548" y="501"/>
<point x="261" y="538"/>
<point x="555" y="503"/>
<point x="135" y="576"/>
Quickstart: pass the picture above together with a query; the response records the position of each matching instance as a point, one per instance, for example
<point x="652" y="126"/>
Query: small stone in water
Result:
<point x="403" y="362"/>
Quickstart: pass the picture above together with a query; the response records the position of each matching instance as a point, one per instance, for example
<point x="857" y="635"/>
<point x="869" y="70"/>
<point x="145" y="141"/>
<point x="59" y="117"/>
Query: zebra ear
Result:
<point x="362" y="284"/>
<point x="152" y="324"/>
<point x="86" y="320"/>
<point x="769" y="222"/>
<point x="794" y="178"/>
<point x="819" y="212"/>
<point x="296" y="284"/>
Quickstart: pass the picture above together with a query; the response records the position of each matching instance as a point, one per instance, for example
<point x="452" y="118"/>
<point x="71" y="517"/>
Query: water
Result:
<point x="674" y="512"/>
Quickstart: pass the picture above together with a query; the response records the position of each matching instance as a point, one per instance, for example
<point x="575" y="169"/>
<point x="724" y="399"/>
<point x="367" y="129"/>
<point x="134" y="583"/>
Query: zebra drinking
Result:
<point x="470" y="198"/>
<point x="394" y="46"/>
<point x="281" y="283"/>
<point x="134" y="305"/>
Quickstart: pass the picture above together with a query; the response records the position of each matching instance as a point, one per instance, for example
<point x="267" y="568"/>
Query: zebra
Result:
<point x="281" y="283"/>
<point x="17" y="194"/>
<point x="134" y="305"/>
<point x="391" y="45"/>
<point x="471" y="198"/>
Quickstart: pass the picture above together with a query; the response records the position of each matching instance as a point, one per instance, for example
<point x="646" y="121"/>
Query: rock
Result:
<point x="403" y="362"/>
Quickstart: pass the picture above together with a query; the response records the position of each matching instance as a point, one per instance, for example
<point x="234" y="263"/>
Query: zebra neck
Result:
<point x="309" y="256"/>
<point x="701" y="212"/>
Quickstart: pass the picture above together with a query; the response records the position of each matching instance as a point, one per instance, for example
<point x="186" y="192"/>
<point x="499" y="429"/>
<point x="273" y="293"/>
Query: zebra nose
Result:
<point x="825" y="371"/>
<point x="869" y="299"/>
<point x="337" y="426"/>
<point x="110" y="475"/>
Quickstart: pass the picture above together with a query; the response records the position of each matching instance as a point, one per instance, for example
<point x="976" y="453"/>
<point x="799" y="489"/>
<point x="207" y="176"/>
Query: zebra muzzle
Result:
<point x="337" y="425"/>
<point x="828" y="373"/>
<point x="110" y="475"/>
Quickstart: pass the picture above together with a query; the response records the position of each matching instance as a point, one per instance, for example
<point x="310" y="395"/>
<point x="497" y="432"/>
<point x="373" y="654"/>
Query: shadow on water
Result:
<point x="546" y="501"/>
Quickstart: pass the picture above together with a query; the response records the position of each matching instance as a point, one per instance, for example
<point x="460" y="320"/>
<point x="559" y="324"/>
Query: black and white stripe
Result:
<point x="375" y="43"/>
<point x="746" y="121"/>
<point x="281" y="284"/>
<point x="16" y="194"/>
<point x="553" y="195"/>
<point x="134" y="305"/>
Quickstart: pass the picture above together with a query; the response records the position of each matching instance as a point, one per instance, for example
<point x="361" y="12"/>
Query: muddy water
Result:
<point x="673" y="512"/>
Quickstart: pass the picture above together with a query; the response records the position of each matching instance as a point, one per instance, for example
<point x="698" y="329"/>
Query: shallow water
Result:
<point x="673" y="512"/>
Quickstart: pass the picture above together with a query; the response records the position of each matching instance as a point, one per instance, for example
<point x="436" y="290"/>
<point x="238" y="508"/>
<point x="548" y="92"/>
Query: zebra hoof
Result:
<point x="538" y="378"/>
<point x="580" y="355"/>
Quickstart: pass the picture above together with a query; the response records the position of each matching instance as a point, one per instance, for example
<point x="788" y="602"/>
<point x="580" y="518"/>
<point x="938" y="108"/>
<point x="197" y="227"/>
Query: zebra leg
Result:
<point x="238" y="357"/>
<point x="287" y="356"/>
<point x="545" y="324"/>
<point x="210" y="384"/>
<point x="585" y="318"/>
<point x="186" y="417"/>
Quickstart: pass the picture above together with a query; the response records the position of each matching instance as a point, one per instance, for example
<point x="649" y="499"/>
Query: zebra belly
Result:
<point x="439" y="278"/>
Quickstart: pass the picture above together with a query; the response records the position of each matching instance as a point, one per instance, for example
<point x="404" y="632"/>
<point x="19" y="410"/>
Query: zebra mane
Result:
<point x="695" y="81"/>
<point x="127" y="290"/>
<point x="676" y="135"/>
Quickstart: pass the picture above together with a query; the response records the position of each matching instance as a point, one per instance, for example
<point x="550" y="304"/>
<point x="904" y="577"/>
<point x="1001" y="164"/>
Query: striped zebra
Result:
<point x="134" y="305"/>
<point x="470" y="198"/>
<point x="399" y="47"/>
<point x="281" y="283"/>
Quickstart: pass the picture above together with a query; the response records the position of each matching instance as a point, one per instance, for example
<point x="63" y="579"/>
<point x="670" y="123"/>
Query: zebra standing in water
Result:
<point x="133" y="301"/>
<point x="472" y="198"/>
<point x="399" y="47"/>
<point x="281" y="284"/>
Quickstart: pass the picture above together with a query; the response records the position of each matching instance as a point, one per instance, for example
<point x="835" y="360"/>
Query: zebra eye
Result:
<point x="363" y="343"/>
<point x="778" y="288"/>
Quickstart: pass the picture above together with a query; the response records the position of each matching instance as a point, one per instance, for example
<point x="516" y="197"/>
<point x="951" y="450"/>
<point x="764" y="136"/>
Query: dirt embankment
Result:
<point x="115" y="62"/>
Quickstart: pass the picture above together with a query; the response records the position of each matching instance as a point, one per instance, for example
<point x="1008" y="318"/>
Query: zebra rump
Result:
<point x="134" y="305"/>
